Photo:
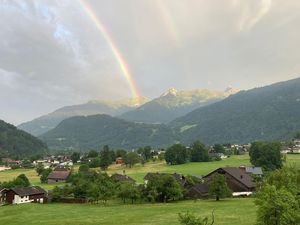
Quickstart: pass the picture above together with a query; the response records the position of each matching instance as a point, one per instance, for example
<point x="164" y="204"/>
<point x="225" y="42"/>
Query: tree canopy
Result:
<point x="218" y="187"/>
<point x="266" y="155"/>
<point x="176" y="154"/>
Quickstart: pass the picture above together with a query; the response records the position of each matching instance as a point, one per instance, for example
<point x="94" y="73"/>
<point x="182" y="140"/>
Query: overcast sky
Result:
<point x="52" y="55"/>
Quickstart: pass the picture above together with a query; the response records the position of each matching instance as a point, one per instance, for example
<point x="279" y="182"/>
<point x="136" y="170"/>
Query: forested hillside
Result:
<point x="174" y="104"/>
<point x="17" y="143"/>
<point x="267" y="113"/>
<point x="92" y="132"/>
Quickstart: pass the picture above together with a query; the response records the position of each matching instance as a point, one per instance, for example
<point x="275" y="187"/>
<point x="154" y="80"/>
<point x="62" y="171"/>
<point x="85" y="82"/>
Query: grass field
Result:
<point x="30" y="173"/>
<point x="138" y="172"/>
<point x="227" y="212"/>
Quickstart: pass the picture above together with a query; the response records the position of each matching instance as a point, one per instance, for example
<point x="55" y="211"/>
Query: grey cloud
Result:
<point x="51" y="53"/>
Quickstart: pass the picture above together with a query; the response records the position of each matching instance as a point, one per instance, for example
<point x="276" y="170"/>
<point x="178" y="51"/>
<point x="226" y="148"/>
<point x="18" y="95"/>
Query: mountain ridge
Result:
<point x="18" y="143"/>
<point x="49" y="121"/>
<point x="92" y="132"/>
<point x="173" y="104"/>
<point x="265" y="113"/>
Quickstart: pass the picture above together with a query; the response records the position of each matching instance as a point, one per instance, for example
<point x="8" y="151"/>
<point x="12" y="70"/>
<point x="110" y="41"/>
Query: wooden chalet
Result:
<point x="238" y="179"/>
<point x="23" y="195"/>
<point x="58" y="176"/>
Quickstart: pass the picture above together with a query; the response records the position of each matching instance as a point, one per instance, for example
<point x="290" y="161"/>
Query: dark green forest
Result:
<point x="17" y="143"/>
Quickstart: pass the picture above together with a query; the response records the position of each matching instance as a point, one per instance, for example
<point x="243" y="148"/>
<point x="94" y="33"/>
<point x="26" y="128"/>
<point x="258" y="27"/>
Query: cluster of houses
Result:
<point x="240" y="181"/>
<point x="292" y="148"/>
<point x="54" y="161"/>
<point x="47" y="162"/>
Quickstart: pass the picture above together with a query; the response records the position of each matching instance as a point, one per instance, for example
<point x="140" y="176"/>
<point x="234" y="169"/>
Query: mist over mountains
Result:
<point x="174" y="104"/>
<point x="163" y="109"/>
<point x="47" y="122"/>
<point x="266" y="113"/>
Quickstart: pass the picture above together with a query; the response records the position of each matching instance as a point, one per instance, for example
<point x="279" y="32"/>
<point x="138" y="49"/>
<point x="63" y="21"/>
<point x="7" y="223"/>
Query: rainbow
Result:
<point x="169" y="22"/>
<point x="116" y="52"/>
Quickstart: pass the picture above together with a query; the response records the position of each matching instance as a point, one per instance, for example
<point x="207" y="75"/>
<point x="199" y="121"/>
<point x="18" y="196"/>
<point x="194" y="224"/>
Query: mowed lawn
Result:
<point x="138" y="171"/>
<point x="227" y="212"/>
<point x="203" y="168"/>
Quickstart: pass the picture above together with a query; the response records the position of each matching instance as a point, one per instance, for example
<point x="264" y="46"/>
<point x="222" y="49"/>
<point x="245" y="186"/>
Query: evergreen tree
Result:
<point x="105" y="158"/>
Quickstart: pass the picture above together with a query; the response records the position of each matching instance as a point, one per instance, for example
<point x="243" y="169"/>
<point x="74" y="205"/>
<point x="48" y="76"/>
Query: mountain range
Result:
<point x="174" y="104"/>
<point x="163" y="109"/>
<point x="266" y="113"/>
<point x="47" y="122"/>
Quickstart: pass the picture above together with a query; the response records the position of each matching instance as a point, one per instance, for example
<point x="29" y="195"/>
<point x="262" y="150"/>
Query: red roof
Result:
<point x="59" y="175"/>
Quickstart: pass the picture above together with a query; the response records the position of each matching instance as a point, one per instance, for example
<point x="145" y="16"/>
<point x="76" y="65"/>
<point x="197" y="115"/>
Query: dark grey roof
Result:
<point x="25" y="191"/>
<point x="238" y="174"/>
<point x="200" y="188"/>
<point x="61" y="175"/>
<point x="254" y="170"/>
<point x="121" y="178"/>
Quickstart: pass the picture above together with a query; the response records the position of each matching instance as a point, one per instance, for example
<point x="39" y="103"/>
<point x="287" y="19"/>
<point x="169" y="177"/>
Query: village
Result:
<point x="59" y="169"/>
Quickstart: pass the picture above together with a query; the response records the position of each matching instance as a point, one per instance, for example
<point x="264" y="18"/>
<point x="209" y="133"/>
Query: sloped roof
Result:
<point x="60" y="175"/>
<point x="200" y="188"/>
<point x="238" y="174"/>
<point x="120" y="177"/>
<point x="241" y="176"/>
<point x="25" y="191"/>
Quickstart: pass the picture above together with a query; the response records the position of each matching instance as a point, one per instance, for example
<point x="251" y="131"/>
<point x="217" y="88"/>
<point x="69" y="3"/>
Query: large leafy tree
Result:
<point x="164" y="188"/>
<point x="219" y="148"/>
<point x="132" y="158"/>
<point x="45" y="174"/>
<point x="199" y="153"/>
<point x="266" y="155"/>
<point x="176" y="154"/>
<point x="278" y="200"/>
<point x="277" y="207"/>
<point x="20" y="181"/>
<point x="218" y="187"/>
<point x="128" y="190"/>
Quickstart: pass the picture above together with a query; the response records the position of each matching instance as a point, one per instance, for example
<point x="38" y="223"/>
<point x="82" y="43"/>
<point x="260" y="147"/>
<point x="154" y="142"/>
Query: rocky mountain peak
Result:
<point x="171" y="92"/>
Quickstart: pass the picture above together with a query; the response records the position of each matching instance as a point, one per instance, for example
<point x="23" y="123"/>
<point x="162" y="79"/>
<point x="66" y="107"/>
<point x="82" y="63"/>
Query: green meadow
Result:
<point x="227" y="212"/>
<point x="138" y="171"/>
<point x="240" y="211"/>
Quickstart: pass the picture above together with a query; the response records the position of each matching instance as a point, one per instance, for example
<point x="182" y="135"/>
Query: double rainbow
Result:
<point x="114" y="49"/>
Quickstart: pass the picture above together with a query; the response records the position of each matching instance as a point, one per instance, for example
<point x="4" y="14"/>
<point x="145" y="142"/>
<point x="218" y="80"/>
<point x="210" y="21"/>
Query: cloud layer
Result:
<point x="51" y="53"/>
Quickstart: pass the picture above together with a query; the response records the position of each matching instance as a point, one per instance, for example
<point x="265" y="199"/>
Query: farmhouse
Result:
<point x="23" y="195"/>
<point x="119" y="161"/>
<point x="58" y="176"/>
<point x="239" y="180"/>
